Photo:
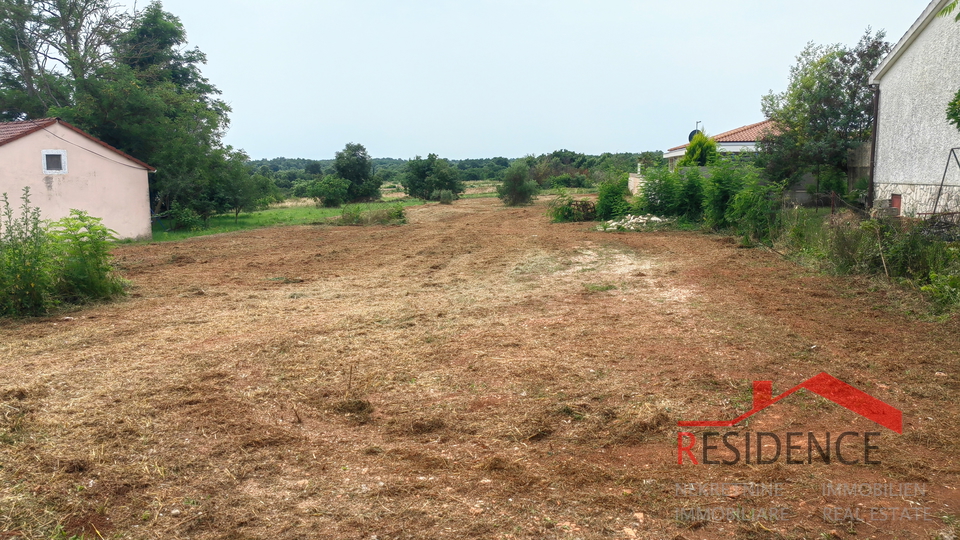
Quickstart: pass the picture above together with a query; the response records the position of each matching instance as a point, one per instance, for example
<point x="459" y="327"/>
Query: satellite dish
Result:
<point x="693" y="134"/>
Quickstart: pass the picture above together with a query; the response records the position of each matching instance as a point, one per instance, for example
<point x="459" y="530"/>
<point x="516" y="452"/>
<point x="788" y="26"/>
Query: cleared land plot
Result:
<point x="477" y="373"/>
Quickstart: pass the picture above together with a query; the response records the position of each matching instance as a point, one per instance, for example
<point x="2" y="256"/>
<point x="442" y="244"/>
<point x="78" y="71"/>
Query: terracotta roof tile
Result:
<point x="11" y="131"/>
<point x="742" y="134"/>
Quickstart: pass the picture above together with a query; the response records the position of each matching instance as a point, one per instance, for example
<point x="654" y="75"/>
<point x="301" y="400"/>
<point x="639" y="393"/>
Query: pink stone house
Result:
<point x="66" y="169"/>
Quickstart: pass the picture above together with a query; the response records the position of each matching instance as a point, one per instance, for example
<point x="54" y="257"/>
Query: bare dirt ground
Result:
<point x="477" y="373"/>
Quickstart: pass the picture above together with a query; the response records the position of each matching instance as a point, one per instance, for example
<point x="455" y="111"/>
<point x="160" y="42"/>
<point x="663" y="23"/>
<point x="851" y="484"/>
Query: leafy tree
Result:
<point x="701" y="152"/>
<point x="826" y="110"/>
<point x="314" y="168"/>
<point x="129" y="81"/>
<point x="423" y="177"/>
<point x="517" y="188"/>
<point x="330" y="191"/>
<point x="247" y="191"/>
<point x="354" y="165"/>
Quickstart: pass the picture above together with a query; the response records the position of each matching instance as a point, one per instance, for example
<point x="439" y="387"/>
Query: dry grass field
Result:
<point x="477" y="373"/>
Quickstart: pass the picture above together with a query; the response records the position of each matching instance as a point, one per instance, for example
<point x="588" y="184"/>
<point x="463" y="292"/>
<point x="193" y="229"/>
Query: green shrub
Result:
<point x="570" y="181"/>
<point x="517" y="188"/>
<point x="397" y="214"/>
<point x="42" y="266"/>
<point x="183" y="218"/>
<point x="83" y="259"/>
<point x="701" y="151"/>
<point x="611" y="201"/>
<point x="446" y="196"/>
<point x="754" y="211"/>
<point x="356" y="215"/>
<point x="944" y="289"/>
<point x="953" y="111"/>
<point x="27" y="270"/>
<point x="660" y="193"/>
<point x="329" y="192"/>
<point x="425" y="178"/>
<point x="665" y="193"/>
<point x="351" y="215"/>
<point x="690" y="200"/>
<point x="833" y="181"/>
<point x="725" y="181"/>
<point x="564" y="209"/>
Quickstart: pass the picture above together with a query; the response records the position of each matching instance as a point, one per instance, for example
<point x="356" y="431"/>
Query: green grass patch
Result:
<point x="273" y="217"/>
<point x="598" y="287"/>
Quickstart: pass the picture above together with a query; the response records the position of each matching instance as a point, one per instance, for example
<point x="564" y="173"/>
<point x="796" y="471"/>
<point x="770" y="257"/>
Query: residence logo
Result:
<point x="767" y="448"/>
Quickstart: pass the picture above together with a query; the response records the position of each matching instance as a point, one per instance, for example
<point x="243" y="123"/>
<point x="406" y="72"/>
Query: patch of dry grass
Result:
<point x="451" y="378"/>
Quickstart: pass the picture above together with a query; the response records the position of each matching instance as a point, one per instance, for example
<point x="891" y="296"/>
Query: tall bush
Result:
<point x="701" y="152"/>
<point x="43" y="265"/>
<point x="725" y="181"/>
<point x="660" y="192"/>
<point x="517" y="188"/>
<point x="26" y="260"/>
<point x="330" y="191"/>
<point x="82" y="250"/>
<point x="424" y="177"/>
<point x="754" y="211"/>
<point x="611" y="199"/>
<point x="690" y="199"/>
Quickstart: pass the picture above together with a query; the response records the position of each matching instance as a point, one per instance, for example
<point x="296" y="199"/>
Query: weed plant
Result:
<point x="43" y="265"/>
<point x="27" y="270"/>
<point x="82" y="245"/>
<point x="355" y="214"/>
<point x="564" y="209"/>
<point x="906" y="251"/>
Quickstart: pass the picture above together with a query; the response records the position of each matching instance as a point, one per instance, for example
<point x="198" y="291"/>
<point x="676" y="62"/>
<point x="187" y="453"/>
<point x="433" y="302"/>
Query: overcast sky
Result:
<point x="486" y="78"/>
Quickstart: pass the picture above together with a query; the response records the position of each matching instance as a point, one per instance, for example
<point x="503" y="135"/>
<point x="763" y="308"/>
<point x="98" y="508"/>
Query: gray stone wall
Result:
<point x="918" y="200"/>
<point x="914" y="137"/>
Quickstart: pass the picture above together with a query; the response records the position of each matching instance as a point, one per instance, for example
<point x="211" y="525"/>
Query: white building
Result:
<point x="917" y="80"/>
<point x="66" y="169"/>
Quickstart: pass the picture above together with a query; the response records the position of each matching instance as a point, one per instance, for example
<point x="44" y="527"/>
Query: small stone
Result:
<point x="175" y="512"/>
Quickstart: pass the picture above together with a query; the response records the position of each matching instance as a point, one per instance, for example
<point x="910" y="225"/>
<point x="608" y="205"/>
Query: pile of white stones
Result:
<point x="632" y="223"/>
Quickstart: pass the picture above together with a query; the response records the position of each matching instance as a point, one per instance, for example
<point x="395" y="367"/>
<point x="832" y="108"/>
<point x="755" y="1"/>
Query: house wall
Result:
<point x="98" y="181"/>
<point x="914" y="138"/>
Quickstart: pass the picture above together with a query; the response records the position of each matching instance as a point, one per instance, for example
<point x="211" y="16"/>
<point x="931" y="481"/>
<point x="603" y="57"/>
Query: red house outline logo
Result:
<point x="824" y="385"/>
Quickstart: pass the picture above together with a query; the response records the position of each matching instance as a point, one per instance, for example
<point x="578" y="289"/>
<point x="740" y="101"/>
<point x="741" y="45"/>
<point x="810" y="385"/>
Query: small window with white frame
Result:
<point x="54" y="162"/>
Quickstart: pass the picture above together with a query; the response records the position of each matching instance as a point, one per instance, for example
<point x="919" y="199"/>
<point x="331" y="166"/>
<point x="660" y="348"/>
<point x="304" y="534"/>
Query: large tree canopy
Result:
<point x="425" y="178"/>
<point x="353" y="164"/>
<point x="128" y="80"/>
<point x="826" y="109"/>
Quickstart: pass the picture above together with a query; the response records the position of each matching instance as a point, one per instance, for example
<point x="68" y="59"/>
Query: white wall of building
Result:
<point x="97" y="180"/>
<point x="914" y="138"/>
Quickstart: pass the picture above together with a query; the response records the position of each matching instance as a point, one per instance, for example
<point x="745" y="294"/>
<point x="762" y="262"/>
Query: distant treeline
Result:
<point x="289" y="170"/>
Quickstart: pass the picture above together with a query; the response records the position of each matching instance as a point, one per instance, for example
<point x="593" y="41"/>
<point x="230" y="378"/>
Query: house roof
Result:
<point x="891" y="58"/>
<point x="11" y="131"/>
<point x="745" y="134"/>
